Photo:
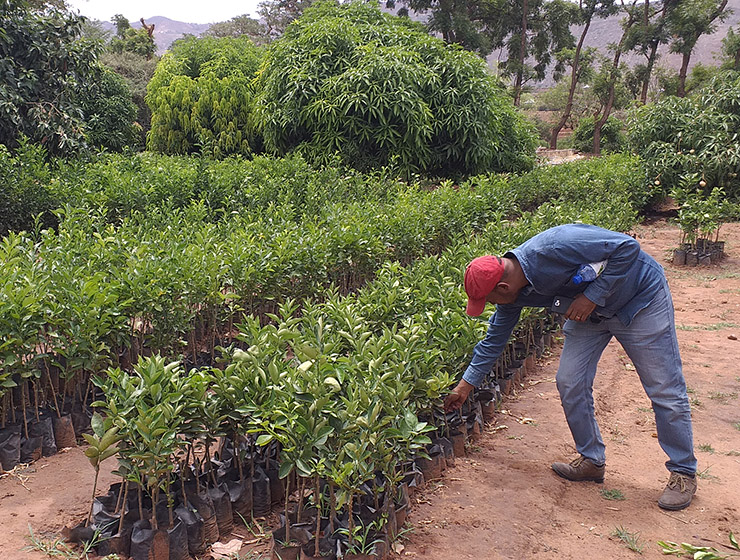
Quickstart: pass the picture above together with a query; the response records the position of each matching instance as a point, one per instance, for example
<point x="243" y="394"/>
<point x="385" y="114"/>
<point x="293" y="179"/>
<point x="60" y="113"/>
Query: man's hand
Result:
<point x="458" y="395"/>
<point x="580" y="309"/>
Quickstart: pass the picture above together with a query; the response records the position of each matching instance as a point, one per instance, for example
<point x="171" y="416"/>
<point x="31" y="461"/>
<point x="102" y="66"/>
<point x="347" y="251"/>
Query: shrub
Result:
<point x="23" y="189"/>
<point x="612" y="137"/>
<point x="682" y="137"/>
<point x="377" y="90"/>
<point x="201" y="97"/>
<point x="109" y="112"/>
<point x="137" y="70"/>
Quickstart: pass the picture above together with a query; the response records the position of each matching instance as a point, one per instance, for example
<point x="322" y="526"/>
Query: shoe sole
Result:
<point x="674" y="508"/>
<point x="593" y="479"/>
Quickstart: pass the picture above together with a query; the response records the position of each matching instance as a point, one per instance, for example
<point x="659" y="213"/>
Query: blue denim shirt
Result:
<point x="630" y="280"/>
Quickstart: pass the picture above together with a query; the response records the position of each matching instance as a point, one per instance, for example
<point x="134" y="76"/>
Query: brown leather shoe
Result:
<point x="678" y="492"/>
<point x="580" y="469"/>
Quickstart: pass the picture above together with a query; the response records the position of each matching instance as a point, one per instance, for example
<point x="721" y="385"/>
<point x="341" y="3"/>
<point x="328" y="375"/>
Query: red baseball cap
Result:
<point x="481" y="277"/>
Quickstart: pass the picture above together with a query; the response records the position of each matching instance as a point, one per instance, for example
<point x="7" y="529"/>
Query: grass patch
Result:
<point x="733" y="453"/>
<point x="612" y="494"/>
<point x="736" y="425"/>
<point x="695" y="402"/>
<point x="630" y="539"/>
<point x="712" y="327"/>
<point x="705" y="448"/>
<point x="720" y="396"/>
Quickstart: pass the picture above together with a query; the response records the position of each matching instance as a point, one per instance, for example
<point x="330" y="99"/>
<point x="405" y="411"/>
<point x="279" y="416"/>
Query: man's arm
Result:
<point x="485" y="354"/>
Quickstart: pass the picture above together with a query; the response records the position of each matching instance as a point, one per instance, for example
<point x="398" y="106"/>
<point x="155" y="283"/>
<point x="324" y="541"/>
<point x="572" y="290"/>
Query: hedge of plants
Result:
<point x="346" y="325"/>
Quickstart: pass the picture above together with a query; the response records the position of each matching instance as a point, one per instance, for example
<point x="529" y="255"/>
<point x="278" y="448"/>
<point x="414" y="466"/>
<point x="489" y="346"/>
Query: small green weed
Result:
<point x="695" y="402"/>
<point x="736" y="425"/>
<point x="706" y="475"/>
<point x="711" y="327"/>
<point x="53" y="548"/>
<point x="645" y="409"/>
<point x="705" y="448"/>
<point x="723" y="397"/>
<point x="612" y="494"/>
<point x="630" y="539"/>
<point x="733" y="453"/>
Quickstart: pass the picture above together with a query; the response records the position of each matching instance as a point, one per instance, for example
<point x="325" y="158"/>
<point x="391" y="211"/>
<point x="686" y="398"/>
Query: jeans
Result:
<point x="650" y="342"/>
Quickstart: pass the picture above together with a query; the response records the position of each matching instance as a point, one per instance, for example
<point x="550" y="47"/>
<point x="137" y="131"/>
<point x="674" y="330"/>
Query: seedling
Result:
<point x="706" y="448"/>
<point x="736" y="425"/>
<point x="630" y="539"/>
<point x="612" y="494"/>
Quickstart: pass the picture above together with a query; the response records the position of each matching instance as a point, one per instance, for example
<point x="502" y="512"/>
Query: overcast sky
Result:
<point x="209" y="11"/>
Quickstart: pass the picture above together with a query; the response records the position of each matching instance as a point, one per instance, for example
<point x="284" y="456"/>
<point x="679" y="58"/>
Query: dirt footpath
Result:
<point x="503" y="501"/>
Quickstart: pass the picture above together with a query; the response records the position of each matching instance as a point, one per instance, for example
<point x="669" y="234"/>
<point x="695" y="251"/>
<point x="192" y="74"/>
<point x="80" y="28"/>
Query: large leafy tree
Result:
<point x="478" y="26"/>
<point x="278" y="14"/>
<point x="377" y="89"/>
<point x="687" y="22"/>
<point x="536" y="29"/>
<point x="587" y="11"/>
<point x="43" y="63"/>
<point x="648" y="32"/>
<point x="201" y="97"/>
<point x="731" y="51"/>
<point x="241" y="26"/>
<point x="138" y="41"/>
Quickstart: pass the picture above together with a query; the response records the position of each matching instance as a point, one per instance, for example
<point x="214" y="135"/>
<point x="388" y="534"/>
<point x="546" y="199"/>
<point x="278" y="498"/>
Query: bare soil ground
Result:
<point x="502" y="500"/>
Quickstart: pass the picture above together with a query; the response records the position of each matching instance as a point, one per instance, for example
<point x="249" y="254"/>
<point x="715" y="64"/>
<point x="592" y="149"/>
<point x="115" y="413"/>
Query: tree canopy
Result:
<point x="43" y="63"/>
<point x="201" y="97"/>
<point x="375" y="89"/>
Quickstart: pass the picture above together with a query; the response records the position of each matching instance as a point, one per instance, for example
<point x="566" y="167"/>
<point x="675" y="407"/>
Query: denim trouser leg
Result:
<point x="650" y="342"/>
<point x="584" y="344"/>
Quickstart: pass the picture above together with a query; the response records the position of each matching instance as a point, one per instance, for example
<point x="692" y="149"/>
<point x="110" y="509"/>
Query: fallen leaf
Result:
<point x="221" y="551"/>
<point x="732" y="337"/>
<point x="398" y="548"/>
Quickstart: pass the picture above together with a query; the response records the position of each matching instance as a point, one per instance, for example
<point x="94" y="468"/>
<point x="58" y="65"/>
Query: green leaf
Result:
<point x="264" y="439"/>
<point x="96" y="423"/>
<point x="285" y="468"/>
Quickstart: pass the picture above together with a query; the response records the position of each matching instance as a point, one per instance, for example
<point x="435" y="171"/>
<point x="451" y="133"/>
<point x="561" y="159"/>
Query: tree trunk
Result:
<point x="522" y="56"/>
<point x="573" y="83"/>
<point x="681" y="92"/>
<point x="650" y="63"/>
<point x="598" y="125"/>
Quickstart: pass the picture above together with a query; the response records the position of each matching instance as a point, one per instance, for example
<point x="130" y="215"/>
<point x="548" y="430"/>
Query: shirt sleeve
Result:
<point x="487" y="351"/>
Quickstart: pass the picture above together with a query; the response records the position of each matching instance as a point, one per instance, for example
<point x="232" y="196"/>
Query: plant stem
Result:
<point x="123" y="507"/>
<point x="23" y="403"/>
<point x="317" y="500"/>
<point x="92" y="499"/>
<point x="141" y="505"/>
<point x="287" y="518"/>
<point x="120" y="497"/>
